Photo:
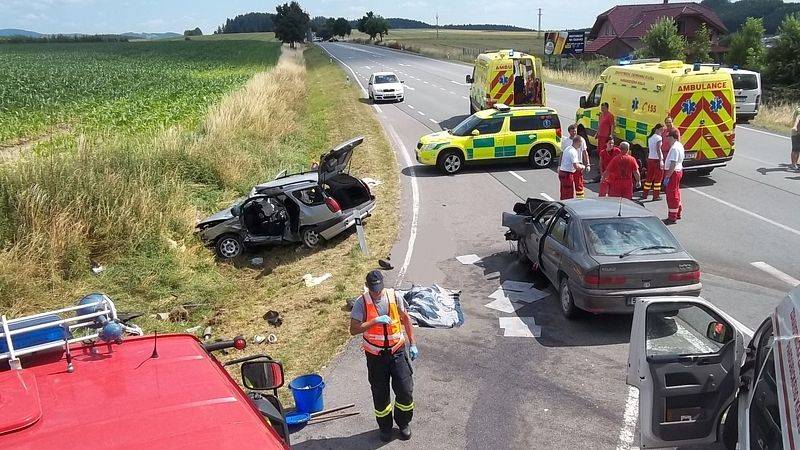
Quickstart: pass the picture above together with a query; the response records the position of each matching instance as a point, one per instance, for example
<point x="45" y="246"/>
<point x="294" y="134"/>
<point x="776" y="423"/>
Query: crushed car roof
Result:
<point x="120" y="397"/>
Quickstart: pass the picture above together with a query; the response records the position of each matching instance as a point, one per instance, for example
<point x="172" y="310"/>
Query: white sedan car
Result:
<point x="385" y="86"/>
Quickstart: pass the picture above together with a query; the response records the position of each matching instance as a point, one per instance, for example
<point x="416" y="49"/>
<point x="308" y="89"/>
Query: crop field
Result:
<point x="119" y="87"/>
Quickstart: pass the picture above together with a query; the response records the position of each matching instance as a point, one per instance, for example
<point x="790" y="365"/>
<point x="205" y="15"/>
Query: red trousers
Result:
<point x="605" y="187"/>
<point x="621" y="187"/>
<point x="601" y="142"/>
<point x="673" y="193"/>
<point x="653" y="181"/>
<point x="571" y="184"/>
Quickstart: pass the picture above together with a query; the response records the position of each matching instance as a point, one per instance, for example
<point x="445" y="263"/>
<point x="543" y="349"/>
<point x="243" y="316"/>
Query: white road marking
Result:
<point x="465" y="98"/>
<point x="404" y="65"/>
<point x="749" y="213"/>
<point x="786" y="278"/>
<point x="410" y="88"/>
<point x="368" y="67"/>
<point x="420" y="113"/>
<point x="426" y="82"/>
<point x="443" y="89"/>
<point x="411" y="106"/>
<point x="765" y="132"/>
<point x="517" y="176"/>
<point x="629" y="418"/>
<point x="460" y="84"/>
<point x="546" y="197"/>
<point x="566" y="88"/>
<point x="355" y="75"/>
<point x="412" y="237"/>
<point x="451" y="92"/>
<point x="377" y="108"/>
<point x="434" y="121"/>
<point x="504" y="305"/>
<point x="468" y="259"/>
<point x="756" y="160"/>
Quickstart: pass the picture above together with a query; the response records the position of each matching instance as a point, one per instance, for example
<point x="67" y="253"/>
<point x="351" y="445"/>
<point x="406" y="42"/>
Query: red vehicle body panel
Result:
<point x="118" y="397"/>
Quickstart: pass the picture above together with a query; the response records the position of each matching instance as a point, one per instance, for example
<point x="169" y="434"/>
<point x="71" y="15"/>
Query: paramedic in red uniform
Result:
<point x="570" y="166"/>
<point x="621" y="172"/>
<point x="606" y="126"/>
<point x="583" y="154"/>
<point x="655" y="164"/>
<point x="673" y="172"/>
<point x="668" y="128"/>
<point x="606" y="155"/>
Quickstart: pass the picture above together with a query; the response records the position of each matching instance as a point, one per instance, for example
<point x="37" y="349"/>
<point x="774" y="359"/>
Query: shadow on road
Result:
<point x="367" y="440"/>
<point x="557" y="330"/>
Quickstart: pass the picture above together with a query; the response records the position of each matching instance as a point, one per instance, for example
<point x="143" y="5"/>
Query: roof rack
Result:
<point x="54" y="329"/>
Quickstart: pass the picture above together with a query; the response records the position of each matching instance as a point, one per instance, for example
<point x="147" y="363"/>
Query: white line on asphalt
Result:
<point x="629" y="418"/>
<point x="434" y="121"/>
<point x="442" y="88"/>
<point x="460" y="84"/>
<point x="411" y="106"/>
<point x="756" y="160"/>
<point x="426" y="82"/>
<point x="377" y="108"/>
<point x="465" y="98"/>
<point x="750" y="213"/>
<point x="517" y="176"/>
<point x="451" y="93"/>
<point x="567" y="88"/>
<point x="788" y="279"/>
<point x="368" y="67"/>
<point x="765" y="132"/>
<point x="546" y="197"/>
<point x="412" y="237"/>
<point x="420" y="113"/>
<point x="410" y="88"/>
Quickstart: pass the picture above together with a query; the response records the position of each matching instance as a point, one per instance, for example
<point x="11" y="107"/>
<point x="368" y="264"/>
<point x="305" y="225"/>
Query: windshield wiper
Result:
<point x="649" y="247"/>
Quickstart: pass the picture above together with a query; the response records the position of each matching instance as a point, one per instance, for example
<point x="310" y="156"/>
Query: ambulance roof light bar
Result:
<point x="714" y="67"/>
<point x="627" y="62"/>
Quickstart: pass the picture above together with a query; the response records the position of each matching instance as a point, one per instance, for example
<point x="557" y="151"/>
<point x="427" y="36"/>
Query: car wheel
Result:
<point x="541" y="156"/>
<point x="229" y="246"/>
<point x="568" y="308"/>
<point x="311" y="238"/>
<point x="450" y="162"/>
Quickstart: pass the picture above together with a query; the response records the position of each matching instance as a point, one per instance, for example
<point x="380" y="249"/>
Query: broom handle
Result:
<point x="333" y="417"/>
<point x="328" y="411"/>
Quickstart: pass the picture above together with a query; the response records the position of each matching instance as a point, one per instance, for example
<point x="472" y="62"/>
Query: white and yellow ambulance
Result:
<point x="506" y="76"/>
<point x="698" y="97"/>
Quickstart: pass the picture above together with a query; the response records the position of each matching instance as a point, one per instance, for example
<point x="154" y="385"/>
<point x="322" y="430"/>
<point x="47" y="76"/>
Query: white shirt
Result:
<point x="568" y="159"/>
<point x="567" y="142"/>
<point x="654" y="144"/>
<point x="676" y="154"/>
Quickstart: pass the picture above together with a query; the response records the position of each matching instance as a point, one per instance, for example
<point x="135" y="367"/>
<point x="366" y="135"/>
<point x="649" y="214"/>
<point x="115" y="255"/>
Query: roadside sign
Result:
<point x="564" y="42"/>
<point x="787" y="367"/>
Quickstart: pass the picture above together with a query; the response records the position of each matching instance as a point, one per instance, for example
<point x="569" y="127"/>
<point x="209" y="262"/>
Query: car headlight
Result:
<point x="429" y="146"/>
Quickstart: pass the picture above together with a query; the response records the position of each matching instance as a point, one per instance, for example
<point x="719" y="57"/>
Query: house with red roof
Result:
<point x="618" y="32"/>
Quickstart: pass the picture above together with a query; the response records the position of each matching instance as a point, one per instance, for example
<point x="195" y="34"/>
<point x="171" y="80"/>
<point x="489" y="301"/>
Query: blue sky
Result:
<point x="117" y="16"/>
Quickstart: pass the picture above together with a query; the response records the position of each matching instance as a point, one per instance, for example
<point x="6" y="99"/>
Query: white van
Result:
<point x="747" y="89"/>
<point x="701" y="383"/>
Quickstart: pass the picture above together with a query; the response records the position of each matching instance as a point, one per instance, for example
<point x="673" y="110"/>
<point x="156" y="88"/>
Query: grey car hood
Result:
<point x="225" y="214"/>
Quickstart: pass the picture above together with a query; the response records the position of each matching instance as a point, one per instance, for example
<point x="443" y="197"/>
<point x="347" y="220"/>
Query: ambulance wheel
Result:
<point x="450" y="162"/>
<point x="541" y="156"/>
<point x="704" y="172"/>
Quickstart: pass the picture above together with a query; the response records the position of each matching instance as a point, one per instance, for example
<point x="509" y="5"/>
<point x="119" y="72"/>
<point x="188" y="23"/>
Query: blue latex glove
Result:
<point x="413" y="352"/>
<point x="665" y="183"/>
<point x="384" y="320"/>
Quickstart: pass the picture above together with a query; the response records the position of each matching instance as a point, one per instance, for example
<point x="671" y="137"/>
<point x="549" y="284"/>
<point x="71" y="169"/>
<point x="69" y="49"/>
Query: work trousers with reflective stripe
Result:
<point x="673" y="193"/>
<point x="571" y="184"/>
<point x="653" y="181"/>
<point x="389" y="368"/>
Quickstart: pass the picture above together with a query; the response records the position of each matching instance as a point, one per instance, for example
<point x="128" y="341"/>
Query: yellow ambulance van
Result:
<point x="508" y="77"/>
<point x="698" y="97"/>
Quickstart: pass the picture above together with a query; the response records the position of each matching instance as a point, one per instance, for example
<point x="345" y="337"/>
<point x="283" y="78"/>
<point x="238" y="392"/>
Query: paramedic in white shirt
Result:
<point x="673" y="172"/>
<point x="570" y="176"/>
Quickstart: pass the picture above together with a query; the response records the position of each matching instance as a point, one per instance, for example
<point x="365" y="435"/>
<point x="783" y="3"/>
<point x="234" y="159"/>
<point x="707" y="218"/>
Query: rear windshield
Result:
<point x="746" y="81"/>
<point x="615" y="236"/>
<point x="381" y="79"/>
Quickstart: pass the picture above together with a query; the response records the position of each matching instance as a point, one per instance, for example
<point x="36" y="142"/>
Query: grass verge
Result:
<point x="130" y="204"/>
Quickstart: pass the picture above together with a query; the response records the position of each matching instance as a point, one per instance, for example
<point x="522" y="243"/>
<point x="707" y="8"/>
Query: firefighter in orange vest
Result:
<point x="621" y="173"/>
<point x="381" y="318"/>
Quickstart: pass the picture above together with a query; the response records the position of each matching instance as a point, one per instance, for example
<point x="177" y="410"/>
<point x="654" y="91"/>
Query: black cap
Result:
<point x="374" y="281"/>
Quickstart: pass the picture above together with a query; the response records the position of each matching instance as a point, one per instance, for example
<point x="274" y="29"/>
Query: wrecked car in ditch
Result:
<point x="300" y="208"/>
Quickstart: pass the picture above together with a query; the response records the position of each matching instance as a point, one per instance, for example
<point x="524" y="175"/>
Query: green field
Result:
<point x="462" y="45"/>
<point x="119" y="87"/>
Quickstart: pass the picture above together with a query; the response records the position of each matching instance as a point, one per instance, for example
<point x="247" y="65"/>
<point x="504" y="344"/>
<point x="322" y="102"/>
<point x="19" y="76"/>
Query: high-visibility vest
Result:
<point x="379" y="336"/>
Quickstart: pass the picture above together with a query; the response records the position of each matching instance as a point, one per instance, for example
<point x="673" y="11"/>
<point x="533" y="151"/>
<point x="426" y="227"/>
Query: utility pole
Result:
<point x="540" y="22"/>
<point x="437" y="24"/>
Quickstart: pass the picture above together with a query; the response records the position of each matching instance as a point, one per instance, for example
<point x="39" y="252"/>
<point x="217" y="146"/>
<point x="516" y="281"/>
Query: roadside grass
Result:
<point x="776" y="115"/>
<point x="129" y="203"/>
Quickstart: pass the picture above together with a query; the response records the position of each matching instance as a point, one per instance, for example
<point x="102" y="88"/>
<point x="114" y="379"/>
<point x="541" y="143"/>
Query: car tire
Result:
<point x="229" y="246"/>
<point x="310" y="237"/>
<point x="565" y="300"/>
<point x="450" y="162"/>
<point x="541" y="156"/>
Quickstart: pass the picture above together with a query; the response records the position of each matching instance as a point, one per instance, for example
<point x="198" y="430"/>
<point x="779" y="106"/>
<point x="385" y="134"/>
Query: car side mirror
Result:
<point x="262" y="374"/>
<point x="236" y="211"/>
<point x="369" y="84"/>
<point x="583" y="101"/>
<point x="469" y="79"/>
<point x="402" y="82"/>
<point x="475" y="133"/>
<point x="719" y="332"/>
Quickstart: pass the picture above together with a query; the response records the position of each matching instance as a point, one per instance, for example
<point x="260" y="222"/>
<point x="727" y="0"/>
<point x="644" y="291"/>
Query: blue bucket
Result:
<point x="307" y="393"/>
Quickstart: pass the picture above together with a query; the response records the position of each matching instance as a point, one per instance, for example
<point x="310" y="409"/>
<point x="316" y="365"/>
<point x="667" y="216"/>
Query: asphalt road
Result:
<point x="475" y="387"/>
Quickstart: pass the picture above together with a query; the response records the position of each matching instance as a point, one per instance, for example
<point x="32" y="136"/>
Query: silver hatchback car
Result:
<point x="306" y="207"/>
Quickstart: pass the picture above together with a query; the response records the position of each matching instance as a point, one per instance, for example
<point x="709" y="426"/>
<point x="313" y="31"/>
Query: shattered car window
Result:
<point x="615" y="236"/>
<point x="312" y="196"/>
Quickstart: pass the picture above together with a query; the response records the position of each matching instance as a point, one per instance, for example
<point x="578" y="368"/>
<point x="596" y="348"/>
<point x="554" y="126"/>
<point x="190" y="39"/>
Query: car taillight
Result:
<point x="694" y="276"/>
<point x="333" y="205"/>
<point x="603" y="281"/>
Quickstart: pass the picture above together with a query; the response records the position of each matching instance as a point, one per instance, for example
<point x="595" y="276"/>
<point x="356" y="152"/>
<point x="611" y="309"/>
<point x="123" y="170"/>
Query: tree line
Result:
<point x="735" y="14"/>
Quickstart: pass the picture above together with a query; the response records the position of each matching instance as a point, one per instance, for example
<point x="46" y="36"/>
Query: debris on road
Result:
<point x="385" y="264"/>
<point x="510" y="285"/>
<point x="162" y="316"/>
<point x="520" y="327"/>
<point x="434" y="306"/>
<point x="468" y="259"/>
<point x="312" y="281"/>
<point x="257" y="262"/>
<point x="333" y="417"/>
<point x="273" y="318"/>
<point x="503" y="304"/>
<point x="97" y="269"/>
<point x="527" y="296"/>
<point x="257" y="339"/>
